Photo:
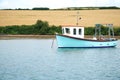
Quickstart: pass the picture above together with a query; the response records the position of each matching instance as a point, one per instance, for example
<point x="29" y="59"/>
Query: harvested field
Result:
<point x="57" y="17"/>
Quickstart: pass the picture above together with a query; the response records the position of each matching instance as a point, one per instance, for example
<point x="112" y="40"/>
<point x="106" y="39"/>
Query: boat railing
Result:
<point x="111" y="39"/>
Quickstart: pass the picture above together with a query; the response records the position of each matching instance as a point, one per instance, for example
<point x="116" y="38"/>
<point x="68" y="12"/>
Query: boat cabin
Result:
<point x="73" y="31"/>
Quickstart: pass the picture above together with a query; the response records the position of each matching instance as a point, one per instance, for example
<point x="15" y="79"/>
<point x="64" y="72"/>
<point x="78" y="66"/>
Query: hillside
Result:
<point x="59" y="17"/>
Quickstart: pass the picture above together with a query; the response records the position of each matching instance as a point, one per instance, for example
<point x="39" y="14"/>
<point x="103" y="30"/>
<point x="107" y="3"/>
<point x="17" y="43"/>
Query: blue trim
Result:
<point x="89" y="47"/>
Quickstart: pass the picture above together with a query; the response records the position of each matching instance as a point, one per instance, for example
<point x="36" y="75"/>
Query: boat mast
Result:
<point x="78" y="18"/>
<point x="98" y="30"/>
<point x="110" y="27"/>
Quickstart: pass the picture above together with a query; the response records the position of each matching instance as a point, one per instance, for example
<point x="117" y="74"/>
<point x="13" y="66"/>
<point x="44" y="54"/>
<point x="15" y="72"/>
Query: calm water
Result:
<point x="34" y="59"/>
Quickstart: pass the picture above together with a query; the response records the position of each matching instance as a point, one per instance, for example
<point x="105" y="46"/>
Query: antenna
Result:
<point x="78" y="18"/>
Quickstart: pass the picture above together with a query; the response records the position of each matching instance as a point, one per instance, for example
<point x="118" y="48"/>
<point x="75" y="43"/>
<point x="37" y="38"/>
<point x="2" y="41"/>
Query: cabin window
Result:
<point x="67" y="30"/>
<point x="79" y="31"/>
<point x="74" y="31"/>
<point x="62" y="31"/>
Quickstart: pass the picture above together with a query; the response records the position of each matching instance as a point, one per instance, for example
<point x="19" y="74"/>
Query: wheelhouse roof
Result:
<point x="71" y="26"/>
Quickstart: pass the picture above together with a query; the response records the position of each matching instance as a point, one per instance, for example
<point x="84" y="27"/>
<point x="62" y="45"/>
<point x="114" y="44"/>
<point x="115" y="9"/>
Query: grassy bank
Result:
<point x="26" y="36"/>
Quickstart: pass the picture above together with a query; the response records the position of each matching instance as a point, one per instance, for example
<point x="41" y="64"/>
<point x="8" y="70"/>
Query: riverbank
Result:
<point x="26" y="36"/>
<point x="36" y="36"/>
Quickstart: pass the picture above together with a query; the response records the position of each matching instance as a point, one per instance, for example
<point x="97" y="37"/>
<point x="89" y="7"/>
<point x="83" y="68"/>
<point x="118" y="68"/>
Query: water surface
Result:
<point x="34" y="59"/>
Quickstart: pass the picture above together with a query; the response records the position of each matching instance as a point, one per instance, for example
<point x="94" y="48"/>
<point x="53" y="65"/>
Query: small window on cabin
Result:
<point x="74" y="31"/>
<point x="62" y="31"/>
<point x="67" y="30"/>
<point x="79" y="31"/>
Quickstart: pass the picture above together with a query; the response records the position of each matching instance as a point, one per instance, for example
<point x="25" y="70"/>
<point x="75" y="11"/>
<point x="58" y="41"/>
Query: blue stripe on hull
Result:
<point x="67" y="42"/>
<point x="90" y="47"/>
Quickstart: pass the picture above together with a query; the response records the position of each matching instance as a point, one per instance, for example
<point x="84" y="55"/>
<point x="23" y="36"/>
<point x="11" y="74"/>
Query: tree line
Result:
<point x="91" y="8"/>
<point x="41" y="8"/>
<point x="39" y="28"/>
<point x="68" y="8"/>
<point x="35" y="8"/>
<point x="43" y="28"/>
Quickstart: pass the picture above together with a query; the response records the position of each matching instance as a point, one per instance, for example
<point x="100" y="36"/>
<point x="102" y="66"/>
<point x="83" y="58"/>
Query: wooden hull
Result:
<point x="72" y="42"/>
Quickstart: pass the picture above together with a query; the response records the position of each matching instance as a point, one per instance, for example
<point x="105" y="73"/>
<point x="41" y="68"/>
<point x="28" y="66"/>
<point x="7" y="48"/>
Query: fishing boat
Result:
<point x="73" y="37"/>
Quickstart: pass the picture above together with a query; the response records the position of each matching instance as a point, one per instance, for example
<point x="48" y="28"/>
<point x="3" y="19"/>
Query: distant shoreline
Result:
<point x="36" y="36"/>
<point x="26" y="36"/>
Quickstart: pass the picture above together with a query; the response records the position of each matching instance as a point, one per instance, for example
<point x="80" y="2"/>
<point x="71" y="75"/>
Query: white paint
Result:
<point x="71" y="28"/>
